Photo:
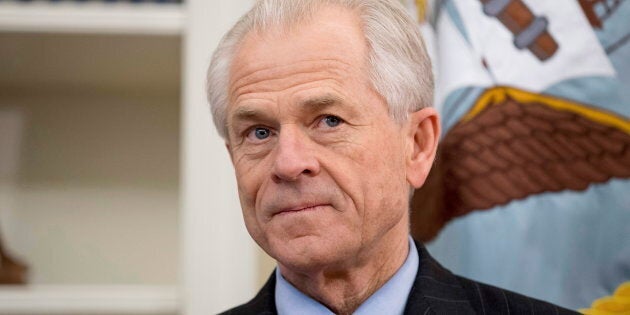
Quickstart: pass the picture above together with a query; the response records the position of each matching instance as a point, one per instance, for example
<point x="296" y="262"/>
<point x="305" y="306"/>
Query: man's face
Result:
<point x="320" y="164"/>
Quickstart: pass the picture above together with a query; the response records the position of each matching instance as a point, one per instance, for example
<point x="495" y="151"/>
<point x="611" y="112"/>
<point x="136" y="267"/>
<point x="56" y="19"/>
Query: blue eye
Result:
<point x="261" y="133"/>
<point x="332" y="121"/>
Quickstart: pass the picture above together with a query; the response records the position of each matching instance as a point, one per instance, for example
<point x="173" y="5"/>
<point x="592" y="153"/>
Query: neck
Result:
<point x="343" y="290"/>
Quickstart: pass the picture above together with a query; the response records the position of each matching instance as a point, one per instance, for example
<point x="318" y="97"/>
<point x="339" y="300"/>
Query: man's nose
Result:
<point x="294" y="156"/>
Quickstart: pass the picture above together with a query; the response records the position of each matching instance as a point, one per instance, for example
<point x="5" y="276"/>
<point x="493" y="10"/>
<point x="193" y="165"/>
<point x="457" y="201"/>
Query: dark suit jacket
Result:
<point x="435" y="291"/>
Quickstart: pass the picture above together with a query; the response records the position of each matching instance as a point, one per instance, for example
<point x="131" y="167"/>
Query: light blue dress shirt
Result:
<point x="391" y="298"/>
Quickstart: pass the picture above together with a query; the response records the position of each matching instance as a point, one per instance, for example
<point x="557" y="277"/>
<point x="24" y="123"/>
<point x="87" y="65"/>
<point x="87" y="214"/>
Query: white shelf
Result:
<point x="96" y="83"/>
<point x="92" y="18"/>
<point x="78" y="299"/>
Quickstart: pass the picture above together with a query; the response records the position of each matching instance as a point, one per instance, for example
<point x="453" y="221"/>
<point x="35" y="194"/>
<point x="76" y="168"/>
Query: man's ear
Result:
<point x="423" y="136"/>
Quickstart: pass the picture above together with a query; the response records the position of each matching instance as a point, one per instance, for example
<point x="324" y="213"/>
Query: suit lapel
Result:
<point x="436" y="290"/>
<point x="264" y="302"/>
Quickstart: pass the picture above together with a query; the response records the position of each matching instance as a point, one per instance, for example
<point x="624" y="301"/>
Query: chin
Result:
<point x="308" y="253"/>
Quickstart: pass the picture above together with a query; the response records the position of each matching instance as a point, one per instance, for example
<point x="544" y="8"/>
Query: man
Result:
<point x="324" y="107"/>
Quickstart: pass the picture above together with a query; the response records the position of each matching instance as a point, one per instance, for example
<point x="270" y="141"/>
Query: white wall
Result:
<point x="90" y="188"/>
<point x="219" y="259"/>
<point x="95" y="199"/>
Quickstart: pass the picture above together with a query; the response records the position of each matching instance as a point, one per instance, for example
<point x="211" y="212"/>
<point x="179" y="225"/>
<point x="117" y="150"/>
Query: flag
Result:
<point x="531" y="187"/>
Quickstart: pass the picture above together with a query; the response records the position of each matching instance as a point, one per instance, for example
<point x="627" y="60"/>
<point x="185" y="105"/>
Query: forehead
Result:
<point x="331" y="40"/>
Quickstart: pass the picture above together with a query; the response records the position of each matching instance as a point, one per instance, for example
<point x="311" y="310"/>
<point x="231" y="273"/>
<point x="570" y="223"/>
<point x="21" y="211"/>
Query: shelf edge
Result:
<point x="92" y="18"/>
<point x="91" y="299"/>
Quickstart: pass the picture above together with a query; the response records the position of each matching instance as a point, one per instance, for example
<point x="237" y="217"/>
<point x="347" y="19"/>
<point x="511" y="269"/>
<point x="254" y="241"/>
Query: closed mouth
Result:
<point x="299" y="209"/>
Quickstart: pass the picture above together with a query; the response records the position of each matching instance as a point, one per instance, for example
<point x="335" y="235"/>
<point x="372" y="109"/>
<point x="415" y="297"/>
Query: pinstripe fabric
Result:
<point x="262" y="304"/>
<point x="435" y="291"/>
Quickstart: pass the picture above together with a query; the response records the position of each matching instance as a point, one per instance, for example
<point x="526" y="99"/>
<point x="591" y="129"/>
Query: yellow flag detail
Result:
<point x="618" y="304"/>
<point x="498" y="95"/>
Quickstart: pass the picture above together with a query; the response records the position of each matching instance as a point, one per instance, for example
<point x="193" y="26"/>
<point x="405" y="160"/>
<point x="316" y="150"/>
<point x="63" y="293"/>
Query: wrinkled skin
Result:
<point x="323" y="171"/>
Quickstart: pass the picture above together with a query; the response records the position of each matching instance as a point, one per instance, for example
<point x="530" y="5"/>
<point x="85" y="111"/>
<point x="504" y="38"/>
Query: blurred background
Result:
<point x="117" y="195"/>
<point x="529" y="191"/>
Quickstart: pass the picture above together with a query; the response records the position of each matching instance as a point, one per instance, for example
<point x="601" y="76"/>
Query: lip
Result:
<point x="300" y="208"/>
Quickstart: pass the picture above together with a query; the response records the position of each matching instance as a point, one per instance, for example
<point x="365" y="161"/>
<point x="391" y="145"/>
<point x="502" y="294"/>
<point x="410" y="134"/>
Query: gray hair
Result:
<point x="398" y="64"/>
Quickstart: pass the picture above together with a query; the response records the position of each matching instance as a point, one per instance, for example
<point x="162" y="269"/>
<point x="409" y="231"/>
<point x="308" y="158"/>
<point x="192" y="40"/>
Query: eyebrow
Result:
<point x="247" y="113"/>
<point x="319" y="102"/>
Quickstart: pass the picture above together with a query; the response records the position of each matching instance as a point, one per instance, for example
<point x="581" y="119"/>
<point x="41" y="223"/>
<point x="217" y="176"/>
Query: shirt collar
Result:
<point x="391" y="298"/>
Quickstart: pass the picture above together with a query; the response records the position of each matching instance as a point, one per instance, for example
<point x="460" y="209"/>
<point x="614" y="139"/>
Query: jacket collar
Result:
<point x="436" y="289"/>
<point x="264" y="302"/>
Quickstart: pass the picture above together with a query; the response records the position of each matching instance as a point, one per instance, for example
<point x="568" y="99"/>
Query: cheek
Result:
<point x="371" y="173"/>
<point x="248" y="190"/>
<point x="249" y="173"/>
<point x="385" y="175"/>
<point x="250" y="178"/>
<point x="383" y="155"/>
